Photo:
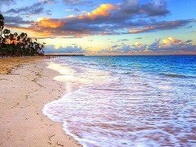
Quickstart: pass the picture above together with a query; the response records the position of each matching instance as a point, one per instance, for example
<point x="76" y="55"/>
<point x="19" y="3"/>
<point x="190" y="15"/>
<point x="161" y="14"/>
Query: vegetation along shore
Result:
<point x="14" y="44"/>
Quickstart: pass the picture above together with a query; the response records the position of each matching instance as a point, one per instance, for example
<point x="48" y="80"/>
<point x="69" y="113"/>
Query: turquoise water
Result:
<point x="124" y="101"/>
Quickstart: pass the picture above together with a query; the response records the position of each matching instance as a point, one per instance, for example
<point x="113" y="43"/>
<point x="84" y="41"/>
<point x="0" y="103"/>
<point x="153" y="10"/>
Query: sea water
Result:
<point x="127" y="101"/>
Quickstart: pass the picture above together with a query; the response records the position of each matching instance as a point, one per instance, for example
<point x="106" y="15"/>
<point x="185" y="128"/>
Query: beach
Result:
<point x="26" y="85"/>
<point x="97" y="101"/>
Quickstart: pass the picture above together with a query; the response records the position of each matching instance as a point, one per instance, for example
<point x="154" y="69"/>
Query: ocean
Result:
<point x="127" y="101"/>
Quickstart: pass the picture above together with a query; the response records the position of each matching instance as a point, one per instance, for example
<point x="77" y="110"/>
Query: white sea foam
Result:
<point x="123" y="109"/>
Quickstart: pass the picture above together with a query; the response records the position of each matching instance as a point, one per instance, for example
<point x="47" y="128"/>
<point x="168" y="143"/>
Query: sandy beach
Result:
<point x="26" y="85"/>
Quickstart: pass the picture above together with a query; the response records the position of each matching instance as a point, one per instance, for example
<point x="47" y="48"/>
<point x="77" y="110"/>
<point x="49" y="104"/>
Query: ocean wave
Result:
<point x="175" y="75"/>
<point x="125" y="106"/>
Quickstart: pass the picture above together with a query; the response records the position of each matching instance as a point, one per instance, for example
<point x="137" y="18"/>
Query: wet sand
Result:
<point x="26" y="85"/>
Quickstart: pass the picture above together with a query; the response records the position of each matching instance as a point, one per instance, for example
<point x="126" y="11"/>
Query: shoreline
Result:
<point x="26" y="86"/>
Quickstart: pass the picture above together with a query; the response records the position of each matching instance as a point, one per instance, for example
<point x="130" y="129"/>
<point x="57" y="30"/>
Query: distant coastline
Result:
<point x="63" y="54"/>
<point x="161" y="54"/>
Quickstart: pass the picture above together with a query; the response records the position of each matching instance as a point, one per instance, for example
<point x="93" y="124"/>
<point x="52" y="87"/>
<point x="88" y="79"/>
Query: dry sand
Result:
<point x="26" y="85"/>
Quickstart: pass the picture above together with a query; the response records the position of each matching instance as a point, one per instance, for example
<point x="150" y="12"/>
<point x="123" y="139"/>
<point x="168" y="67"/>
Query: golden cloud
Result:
<point x="137" y="44"/>
<point x="170" y="40"/>
<point x="140" y="30"/>
<point x="103" y="10"/>
<point x="49" y="23"/>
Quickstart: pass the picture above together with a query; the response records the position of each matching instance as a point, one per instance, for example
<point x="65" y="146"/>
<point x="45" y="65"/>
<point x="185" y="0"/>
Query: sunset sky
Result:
<point x="106" y="26"/>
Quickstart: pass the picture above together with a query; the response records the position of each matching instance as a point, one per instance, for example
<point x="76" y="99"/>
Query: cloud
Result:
<point x="128" y="17"/>
<point x="68" y="49"/>
<point x="72" y="10"/>
<point x="77" y="2"/>
<point x="102" y="11"/>
<point x="132" y="8"/>
<point x="188" y="27"/>
<point x="7" y="2"/>
<point x="189" y="41"/>
<point x="170" y="41"/>
<point x="155" y="45"/>
<point x="137" y="44"/>
<point x="48" y="23"/>
<point x="138" y="38"/>
<point x="155" y="8"/>
<point x="16" y="20"/>
<point x="36" y="8"/>
<point x="168" y="45"/>
<point x="78" y="26"/>
<point x="165" y="25"/>
<point x="128" y="7"/>
<point x="172" y="45"/>
<point x="108" y="19"/>
<point x="122" y="40"/>
<point x="74" y="25"/>
<point x="123" y="49"/>
<point x="49" y="12"/>
<point x="138" y="47"/>
<point x="48" y="1"/>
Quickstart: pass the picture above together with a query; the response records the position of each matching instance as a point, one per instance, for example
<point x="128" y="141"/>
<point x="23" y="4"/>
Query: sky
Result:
<point x="106" y="27"/>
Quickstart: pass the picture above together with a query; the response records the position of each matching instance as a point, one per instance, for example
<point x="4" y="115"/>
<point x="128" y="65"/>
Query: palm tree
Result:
<point x="6" y="34"/>
<point x="1" y="26"/>
<point x="15" y="37"/>
<point x="14" y="44"/>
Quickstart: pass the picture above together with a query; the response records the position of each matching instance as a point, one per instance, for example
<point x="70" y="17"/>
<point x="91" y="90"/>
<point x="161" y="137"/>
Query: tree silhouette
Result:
<point x="1" y="26"/>
<point x="18" y="45"/>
